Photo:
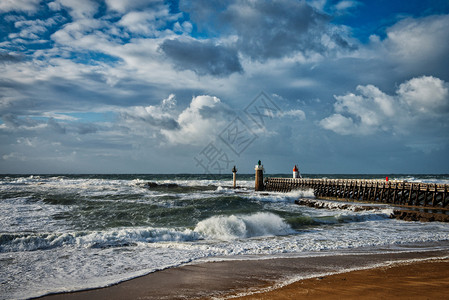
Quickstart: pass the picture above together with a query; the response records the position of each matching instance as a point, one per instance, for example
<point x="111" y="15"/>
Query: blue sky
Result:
<point x="151" y="86"/>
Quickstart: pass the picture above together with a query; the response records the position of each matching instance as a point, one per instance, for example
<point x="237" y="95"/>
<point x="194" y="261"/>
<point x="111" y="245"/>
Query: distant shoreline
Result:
<point x="311" y="175"/>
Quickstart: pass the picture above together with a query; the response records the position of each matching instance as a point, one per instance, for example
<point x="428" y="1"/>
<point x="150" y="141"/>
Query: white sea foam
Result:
<point x="94" y="239"/>
<point x="21" y="214"/>
<point x="40" y="236"/>
<point x="243" y="226"/>
<point x="422" y="179"/>
<point x="99" y="259"/>
<point x="276" y="197"/>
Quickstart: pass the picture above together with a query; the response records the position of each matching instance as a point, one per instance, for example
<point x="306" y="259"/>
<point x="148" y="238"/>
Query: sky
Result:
<point x="150" y="86"/>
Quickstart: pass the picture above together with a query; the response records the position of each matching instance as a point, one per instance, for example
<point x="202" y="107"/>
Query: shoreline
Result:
<point x="251" y="279"/>
<point x="413" y="280"/>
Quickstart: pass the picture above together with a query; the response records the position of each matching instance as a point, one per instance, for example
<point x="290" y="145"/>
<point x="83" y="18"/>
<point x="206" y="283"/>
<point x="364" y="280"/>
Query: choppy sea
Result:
<point x="73" y="232"/>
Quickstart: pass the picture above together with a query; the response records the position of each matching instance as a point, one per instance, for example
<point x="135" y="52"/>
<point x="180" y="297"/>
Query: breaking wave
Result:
<point x="95" y="239"/>
<point x="243" y="226"/>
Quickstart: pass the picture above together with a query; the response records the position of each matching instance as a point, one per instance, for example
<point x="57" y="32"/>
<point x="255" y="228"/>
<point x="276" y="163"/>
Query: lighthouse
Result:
<point x="296" y="172"/>
<point x="234" y="171"/>
<point x="259" y="177"/>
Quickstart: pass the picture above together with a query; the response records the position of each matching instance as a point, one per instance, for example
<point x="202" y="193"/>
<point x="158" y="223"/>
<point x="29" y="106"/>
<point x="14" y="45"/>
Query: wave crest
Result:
<point x="94" y="239"/>
<point x="243" y="226"/>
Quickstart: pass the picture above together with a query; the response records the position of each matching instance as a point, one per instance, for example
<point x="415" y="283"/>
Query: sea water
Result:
<point x="73" y="232"/>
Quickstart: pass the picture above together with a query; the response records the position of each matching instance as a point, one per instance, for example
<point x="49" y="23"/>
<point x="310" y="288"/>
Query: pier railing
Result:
<point x="403" y="193"/>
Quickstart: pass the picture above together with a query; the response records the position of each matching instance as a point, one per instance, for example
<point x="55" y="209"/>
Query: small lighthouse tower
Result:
<point x="296" y="172"/>
<point x="259" y="177"/>
<point x="234" y="171"/>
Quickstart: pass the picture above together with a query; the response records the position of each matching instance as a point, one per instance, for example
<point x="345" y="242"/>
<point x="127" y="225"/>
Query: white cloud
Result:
<point x="296" y="113"/>
<point x="83" y="34"/>
<point x="195" y="125"/>
<point x="155" y="116"/>
<point x="186" y="27"/>
<point x="14" y="156"/>
<point x="419" y="39"/>
<point x="344" y="6"/>
<point x="199" y="123"/>
<point x="339" y="124"/>
<point x="78" y="9"/>
<point x="29" y="142"/>
<point x="150" y="22"/>
<point x="169" y="102"/>
<point x="428" y="95"/>
<point x="317" y="4"/>
<point x="372" y="106"/>
<point x="413" y="46"/>
<point x="58" y="116"/>
<point x="139" y="58"/>
<point x="139" y="22"/>
<point x="125" y="6"/>
<point x="33" y="29"/>
<point x="19" y="5"/>
<point x="370" y="111"/>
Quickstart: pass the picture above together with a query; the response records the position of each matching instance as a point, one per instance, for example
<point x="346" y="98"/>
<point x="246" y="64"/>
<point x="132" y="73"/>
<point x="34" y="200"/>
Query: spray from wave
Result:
<point x="94" y="239"/>
<point x="243" y="226"/>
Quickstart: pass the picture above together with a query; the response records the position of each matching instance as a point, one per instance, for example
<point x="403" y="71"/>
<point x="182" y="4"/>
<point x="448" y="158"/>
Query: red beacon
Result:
<point x="296" y="172"/>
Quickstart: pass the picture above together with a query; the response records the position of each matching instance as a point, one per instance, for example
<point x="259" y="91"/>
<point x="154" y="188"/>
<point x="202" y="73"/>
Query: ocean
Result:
<point x="62" y="233"/>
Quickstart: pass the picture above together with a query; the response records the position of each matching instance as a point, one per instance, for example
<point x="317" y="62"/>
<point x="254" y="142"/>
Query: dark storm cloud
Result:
<point x="268" y="29"/>
<point x="161" y="122"/>
<point x="86" y="128"/>
<point x="16" y="123"/>
<point x="212" y="112"/>
<point x="8" y="58"/>
<point x="55" y="126"/>
<point x="13" y="121"/>
<point x="202" y="57"/>
<point x="274" y="29"/>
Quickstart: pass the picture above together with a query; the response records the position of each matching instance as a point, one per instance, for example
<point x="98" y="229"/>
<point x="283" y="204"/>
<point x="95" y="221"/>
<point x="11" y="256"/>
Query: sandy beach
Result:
<point x="418" y="280"/>
<point x="403" y="275"/>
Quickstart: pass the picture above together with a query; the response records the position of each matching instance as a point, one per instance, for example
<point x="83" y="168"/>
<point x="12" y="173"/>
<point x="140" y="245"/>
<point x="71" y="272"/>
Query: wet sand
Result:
<point x="420" y="280"/>
<point x="389" y="275"/>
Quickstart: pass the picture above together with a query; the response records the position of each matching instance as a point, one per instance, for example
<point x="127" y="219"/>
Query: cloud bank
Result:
<point x="417" y="102"/>
<point x="95" y="86"/>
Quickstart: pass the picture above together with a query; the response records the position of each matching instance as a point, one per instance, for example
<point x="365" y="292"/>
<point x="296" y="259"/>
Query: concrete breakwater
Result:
<point x="400" y="193"/>
<point x="426" y="201"/>
<point x="400" y="214"/>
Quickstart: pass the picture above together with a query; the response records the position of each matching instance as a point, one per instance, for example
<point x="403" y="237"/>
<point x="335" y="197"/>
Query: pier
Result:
<point x="398" y="193"/>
